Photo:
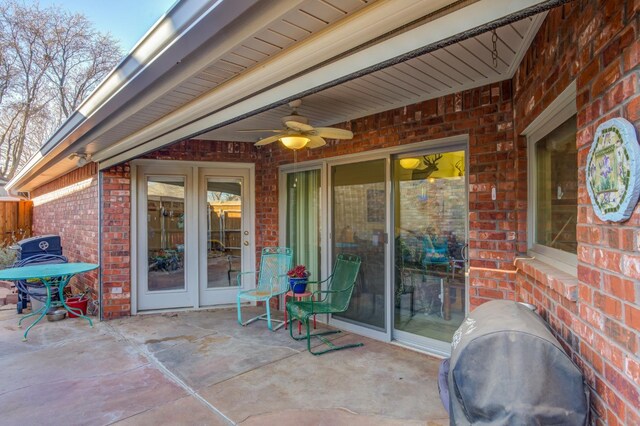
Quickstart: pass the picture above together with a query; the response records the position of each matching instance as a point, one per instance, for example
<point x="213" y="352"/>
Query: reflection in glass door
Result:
<point x="164" y="224"/>
<point x="430" y="208"/>
<point x="165" y="233"/>
<point x="224" y="232"/>
<point x="359" y="227"/>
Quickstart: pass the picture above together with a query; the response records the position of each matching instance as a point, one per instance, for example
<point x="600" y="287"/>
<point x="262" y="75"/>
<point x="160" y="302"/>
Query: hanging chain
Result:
<point x="295" y="171"/>
<point x="494" y="52"/>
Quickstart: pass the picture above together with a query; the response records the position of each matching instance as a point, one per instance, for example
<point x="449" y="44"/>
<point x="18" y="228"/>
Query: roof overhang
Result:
<point x="178" y="34"/>
<point x="376" y="36"/>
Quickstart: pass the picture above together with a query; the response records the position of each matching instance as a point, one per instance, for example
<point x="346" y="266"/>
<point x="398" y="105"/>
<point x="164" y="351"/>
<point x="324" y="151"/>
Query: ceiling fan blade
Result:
<point x="315" y="141"/>
<point x="298" y="127"/>
<point x="334" y="133"/>
<point x="268" y="140"/>
<point x="260" y="130"/>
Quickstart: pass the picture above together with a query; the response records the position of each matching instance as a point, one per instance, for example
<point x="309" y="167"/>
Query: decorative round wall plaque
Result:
<point x="613" y="170"/>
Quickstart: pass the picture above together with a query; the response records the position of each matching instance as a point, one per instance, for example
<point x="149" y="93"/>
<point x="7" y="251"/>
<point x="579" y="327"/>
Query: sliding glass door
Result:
<point x="430" y="216"/>
<point x="359" y="226"/>
<point x="405" y="215"/>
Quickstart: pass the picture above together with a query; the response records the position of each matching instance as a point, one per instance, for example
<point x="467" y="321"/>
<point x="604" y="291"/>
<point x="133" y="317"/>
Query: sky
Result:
<point x="126" y="20"/>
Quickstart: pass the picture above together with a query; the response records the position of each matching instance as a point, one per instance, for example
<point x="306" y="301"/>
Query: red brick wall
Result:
<point x="486" y="115"/>
<point x="68" y="207"/>
<point x="116" y="242"/>
<point x="595" y="316"/>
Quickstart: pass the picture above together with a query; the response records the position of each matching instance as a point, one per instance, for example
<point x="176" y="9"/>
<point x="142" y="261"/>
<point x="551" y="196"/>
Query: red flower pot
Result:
<point x="77" y="303"/>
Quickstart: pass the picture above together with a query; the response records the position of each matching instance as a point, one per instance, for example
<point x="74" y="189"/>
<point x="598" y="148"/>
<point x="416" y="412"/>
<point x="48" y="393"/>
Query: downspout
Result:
<point x="100" y="308"/>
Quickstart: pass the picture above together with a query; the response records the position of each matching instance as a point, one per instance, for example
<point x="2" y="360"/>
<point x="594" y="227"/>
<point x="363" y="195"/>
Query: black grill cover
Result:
<point x="44" y="244"/>
<point x="508" y="369"/>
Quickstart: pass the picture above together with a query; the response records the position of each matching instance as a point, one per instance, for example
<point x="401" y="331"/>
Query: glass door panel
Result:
<point x="430" y="213"/>
<point x="303" y="219"/>
<point x="165" y="233"/>
<point x="224" y="232"/>
<point x="359" y="227"/>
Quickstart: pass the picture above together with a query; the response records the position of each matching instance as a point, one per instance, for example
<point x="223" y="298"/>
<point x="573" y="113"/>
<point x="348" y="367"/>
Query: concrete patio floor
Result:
<point x="202" y="368"/>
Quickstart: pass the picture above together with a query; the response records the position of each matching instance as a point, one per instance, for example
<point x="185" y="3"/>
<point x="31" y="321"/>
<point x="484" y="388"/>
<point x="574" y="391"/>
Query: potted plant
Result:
<point x="298" y="277"/>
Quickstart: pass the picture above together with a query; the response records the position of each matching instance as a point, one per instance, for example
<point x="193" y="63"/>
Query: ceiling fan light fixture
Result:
<point x="410" y="163"/>
<point x="295" y="142"/>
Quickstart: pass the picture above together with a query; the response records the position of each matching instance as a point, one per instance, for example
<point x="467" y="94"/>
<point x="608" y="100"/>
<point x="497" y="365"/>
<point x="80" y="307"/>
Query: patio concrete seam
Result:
<point x="40" y="346"/>
<point x="167" y="373"/>
<point x="93" y="376"/>
<point x="139" y="413"/>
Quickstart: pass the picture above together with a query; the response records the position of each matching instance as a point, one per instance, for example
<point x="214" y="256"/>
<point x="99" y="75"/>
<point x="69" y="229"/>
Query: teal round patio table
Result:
<point x="50" y="275"/>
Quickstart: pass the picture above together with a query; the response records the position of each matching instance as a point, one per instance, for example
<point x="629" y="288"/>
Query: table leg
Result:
<point x="313" y="299"/>
<point x="44" y="310"/>
<point x="285" y="311"/>
<point x="63" y="283"/>
<point x="300" y="322"/>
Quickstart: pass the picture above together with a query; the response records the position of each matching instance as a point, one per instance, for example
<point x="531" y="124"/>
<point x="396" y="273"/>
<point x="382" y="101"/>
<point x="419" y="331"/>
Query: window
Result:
<point x="553" y="184"/>
<point x="556" y="208"/>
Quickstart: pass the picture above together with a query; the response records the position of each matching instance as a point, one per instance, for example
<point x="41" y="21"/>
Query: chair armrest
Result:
<point x="318" y="282"/>
<point x="239" y="276"/>
<point x="277" y="277"/>
<point x="328" y="292"/>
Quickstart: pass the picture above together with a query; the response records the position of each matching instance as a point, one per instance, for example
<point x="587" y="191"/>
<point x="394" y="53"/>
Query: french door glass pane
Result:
<point x="303" y="219"/>
<point x="430" y="215"/>
<point x="165" y="233"/>
<point x="359" y="221"/>
<point x="224" y="232"/>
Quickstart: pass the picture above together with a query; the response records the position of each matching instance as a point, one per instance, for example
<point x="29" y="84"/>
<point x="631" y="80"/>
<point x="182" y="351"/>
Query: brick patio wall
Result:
<point x="596" y="316"/>
<point x="68" y="207"/>
<point x="486" y="115"/>
<point x="116" y="242"/>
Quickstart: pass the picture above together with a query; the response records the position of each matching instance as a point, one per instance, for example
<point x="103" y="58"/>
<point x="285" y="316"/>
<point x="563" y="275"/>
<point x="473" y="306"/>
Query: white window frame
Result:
<point x="559" y="111"/>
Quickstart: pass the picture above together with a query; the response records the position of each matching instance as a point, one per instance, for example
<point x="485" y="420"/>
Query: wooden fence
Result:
<point x="15" y="220"/>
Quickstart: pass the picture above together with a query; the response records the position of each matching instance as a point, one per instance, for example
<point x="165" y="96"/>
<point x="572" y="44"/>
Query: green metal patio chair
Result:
<point x="272" y="281"/>
<point x="334" y="299"/>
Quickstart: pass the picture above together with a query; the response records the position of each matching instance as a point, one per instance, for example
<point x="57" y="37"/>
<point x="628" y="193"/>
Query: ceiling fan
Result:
<point x="297" y="132"/>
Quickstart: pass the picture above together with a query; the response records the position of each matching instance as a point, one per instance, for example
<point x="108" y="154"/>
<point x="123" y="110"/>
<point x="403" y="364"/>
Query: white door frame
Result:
<point x="163" y="299"/>
<point x="226" y="295"/>
<point x="193" y="240"/>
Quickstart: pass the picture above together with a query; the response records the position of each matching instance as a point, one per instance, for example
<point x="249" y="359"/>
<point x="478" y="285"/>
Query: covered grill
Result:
<point x="43" y="244"/>
<point x="507" y="368"/>
<point x="33" y="251"/>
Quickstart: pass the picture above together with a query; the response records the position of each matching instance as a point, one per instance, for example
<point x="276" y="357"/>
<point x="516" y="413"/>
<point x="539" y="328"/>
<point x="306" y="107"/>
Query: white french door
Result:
<point x="166" y="227"/>
<point x="194" y="233"/>
<point x="225" y="234"/>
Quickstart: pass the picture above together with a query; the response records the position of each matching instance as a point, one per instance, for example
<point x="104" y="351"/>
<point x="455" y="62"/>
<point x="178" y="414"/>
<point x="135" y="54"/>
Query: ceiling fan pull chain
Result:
<point x="494" y="52"/>
<point x="295" y="172"/>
